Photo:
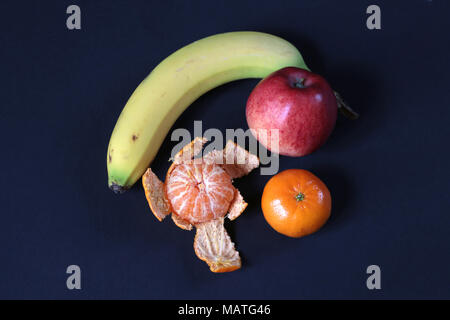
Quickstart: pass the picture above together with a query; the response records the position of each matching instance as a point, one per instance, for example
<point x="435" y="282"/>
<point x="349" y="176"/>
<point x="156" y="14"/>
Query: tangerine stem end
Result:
<point x="300" y="196"/>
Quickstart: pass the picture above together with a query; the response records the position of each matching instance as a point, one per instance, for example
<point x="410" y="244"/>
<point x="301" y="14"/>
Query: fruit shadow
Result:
<point x="362" y="89"/>
<point x="342" y="192"/>
<point x="268" y="244"/>
<point x="361" y="86"/>
<point x="256" y="241"/>
<point x="312" y="56"/>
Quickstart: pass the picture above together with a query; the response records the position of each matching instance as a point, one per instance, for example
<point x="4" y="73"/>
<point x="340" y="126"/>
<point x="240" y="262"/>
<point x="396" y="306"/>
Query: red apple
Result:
<point x="300" y="104"/>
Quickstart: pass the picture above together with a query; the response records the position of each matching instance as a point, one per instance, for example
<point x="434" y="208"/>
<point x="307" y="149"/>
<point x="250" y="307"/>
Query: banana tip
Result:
<point x="117" y="189"/>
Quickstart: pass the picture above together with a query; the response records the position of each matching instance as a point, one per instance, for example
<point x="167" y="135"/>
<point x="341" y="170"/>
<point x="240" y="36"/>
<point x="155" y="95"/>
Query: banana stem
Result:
<point x="344" y="108"/>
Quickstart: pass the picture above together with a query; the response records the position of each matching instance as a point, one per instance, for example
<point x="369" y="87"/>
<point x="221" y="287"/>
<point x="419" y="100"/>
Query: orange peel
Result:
<point x="154" y="192"/>
<point x="234" y="159"/>
<point x="237" y="206"/>
<point x="213" y="245"/>
<point x="180" y="223"/>
<point x="200" y="194"/>
<point x="190" y="150"/>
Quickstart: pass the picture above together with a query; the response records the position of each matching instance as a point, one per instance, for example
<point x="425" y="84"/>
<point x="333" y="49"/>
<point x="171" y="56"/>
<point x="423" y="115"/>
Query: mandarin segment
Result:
<point x="154" y="192"/>
<point x="199" y="192"/>
<point x="213" y="245"/>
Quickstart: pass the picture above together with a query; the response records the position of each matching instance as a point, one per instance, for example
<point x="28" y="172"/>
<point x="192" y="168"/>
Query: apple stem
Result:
<point x="344" y="108"/>
<point x="299" y="83"/>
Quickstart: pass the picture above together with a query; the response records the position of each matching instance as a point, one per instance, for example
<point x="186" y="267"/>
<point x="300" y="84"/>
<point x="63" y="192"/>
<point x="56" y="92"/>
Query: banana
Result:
<point x="177" y="82"/>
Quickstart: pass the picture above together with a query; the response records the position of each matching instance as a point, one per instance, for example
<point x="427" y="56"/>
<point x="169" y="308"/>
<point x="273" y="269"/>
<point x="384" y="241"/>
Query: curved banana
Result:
<point x="177" y="82"/>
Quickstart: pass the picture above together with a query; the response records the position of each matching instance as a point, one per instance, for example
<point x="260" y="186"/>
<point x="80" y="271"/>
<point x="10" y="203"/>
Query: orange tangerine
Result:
<point x="199" y="192"/>
<point x="296" y="203"/>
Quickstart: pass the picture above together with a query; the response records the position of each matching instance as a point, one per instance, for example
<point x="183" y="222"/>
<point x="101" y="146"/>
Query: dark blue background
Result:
<point x="62" y="91"/>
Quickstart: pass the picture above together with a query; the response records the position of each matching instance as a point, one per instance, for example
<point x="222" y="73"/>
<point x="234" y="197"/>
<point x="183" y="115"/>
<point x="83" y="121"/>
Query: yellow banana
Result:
<point x="177" y="82"/>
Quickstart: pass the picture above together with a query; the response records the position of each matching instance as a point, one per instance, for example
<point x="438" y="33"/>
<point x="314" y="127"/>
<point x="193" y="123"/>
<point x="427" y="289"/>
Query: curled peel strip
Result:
<point x="213" y="245"/>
